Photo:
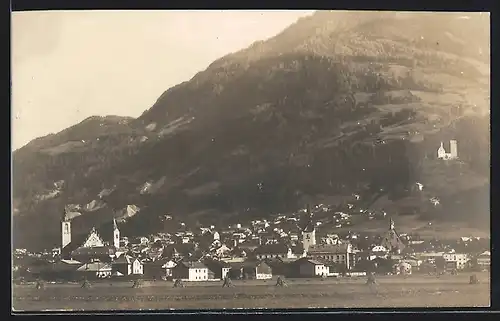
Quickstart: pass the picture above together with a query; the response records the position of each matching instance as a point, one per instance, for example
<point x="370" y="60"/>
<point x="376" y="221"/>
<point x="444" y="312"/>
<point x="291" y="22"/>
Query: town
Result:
<point x="287" y="246"/>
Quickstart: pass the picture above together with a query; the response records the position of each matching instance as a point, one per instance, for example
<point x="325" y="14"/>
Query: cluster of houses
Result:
<point x="286" y="246"/>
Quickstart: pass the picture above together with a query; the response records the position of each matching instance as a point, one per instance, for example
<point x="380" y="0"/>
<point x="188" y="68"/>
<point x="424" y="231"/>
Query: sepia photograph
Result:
<point x="245" y="159"/>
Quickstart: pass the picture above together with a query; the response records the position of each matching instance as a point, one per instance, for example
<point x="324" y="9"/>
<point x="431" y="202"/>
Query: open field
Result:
<point x="392" y="291"/>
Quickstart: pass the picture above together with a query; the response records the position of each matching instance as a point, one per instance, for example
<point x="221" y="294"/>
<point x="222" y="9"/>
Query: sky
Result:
<point x="69" y="65"/>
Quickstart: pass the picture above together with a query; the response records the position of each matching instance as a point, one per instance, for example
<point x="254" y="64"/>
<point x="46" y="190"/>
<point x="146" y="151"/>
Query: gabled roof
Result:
<point x="485" y="254"/>
<point x="308" y="227"/>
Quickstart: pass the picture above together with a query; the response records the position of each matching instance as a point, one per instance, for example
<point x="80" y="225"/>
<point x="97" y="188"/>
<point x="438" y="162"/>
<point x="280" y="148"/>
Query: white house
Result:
<point x="484" y="260"/>
<point x="460" y="259"/>
<point x="128" y="265"/>
<point x="222" y="251"/>
<point x="378" y="251"/>
<point x="190" y="271"/>
<point x="168" y="266"/>
<point x="95" y="269"/>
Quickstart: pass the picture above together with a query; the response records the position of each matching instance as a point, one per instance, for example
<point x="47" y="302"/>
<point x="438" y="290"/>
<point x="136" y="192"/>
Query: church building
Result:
<point x="392" y="241"/>
<point x="453" y="154"/>
<point x="96" y="245"/>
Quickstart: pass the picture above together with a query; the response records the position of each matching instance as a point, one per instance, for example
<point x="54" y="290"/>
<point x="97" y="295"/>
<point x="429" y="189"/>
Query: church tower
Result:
<point x="65" y="231"/>
<point x="116" y="234"/>
<point x="392" y="241"/>
<point x="453" y="149"/>
<point x="309" y="231"/>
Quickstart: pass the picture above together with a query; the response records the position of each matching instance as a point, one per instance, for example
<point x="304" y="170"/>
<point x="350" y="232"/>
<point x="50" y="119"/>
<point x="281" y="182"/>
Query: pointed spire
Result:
<point x="115" y="225"/>
<point x="391" y="224"/>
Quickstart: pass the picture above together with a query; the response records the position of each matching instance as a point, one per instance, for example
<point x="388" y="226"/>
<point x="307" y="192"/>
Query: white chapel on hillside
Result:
<point x="453" y="154"/>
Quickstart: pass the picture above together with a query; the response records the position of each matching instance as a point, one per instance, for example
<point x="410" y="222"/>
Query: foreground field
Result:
<point x="413" y="291"/>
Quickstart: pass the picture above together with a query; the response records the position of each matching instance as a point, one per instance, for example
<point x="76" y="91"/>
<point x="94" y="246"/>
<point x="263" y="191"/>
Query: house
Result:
<point x="251" y="244"/>
<point x="414" y="262"/>
<point x="222" y="251"/>
<point x="429" y="256"/>
<point x="95" y="270"/>
<point x="190" y="271"/>
<point x="270" y="251"/>
<point x="168" y="266"/>
<point x="403" y="268"/>
<point x="250" y="270"/>
<point x="339" y="253"/>
<point x="128" y="265"/>
<point x="460" y="259"/>
<point x="155" y="252"/>
<point x="378" y="251"/>
<point x="311" y="268"/>
<point x="160" y="269"/>
<point x="219" y="269"/>
<point x="258" y="270"/>
<point x="450" y="266"/>
<point x="484" y="260"/>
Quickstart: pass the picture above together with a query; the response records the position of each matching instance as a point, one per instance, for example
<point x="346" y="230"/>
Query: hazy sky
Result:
<point x="69" y="65"/>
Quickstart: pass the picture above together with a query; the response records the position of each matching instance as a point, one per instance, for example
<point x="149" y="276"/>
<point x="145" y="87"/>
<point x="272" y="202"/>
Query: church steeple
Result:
<point x="309" y="231"/>
<point x="65" y="230"/>
<point x="392" y="241"/>
<point x="116" y="234"/>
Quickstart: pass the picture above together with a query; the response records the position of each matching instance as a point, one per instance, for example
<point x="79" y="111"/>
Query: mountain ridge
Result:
<point x="329" y="102"/>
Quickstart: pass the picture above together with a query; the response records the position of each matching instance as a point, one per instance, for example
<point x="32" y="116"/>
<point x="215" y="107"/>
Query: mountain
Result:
<point x="338" y="103"/>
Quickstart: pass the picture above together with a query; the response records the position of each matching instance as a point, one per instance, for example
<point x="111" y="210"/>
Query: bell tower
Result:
<point x="309" y="232"/>
<point x="65" y="231"/>
<point x="116" y="234"/>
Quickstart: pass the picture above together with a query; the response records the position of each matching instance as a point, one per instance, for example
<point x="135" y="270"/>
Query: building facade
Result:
<point x="460" y="259"/>
<point x="453" y="154"/>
